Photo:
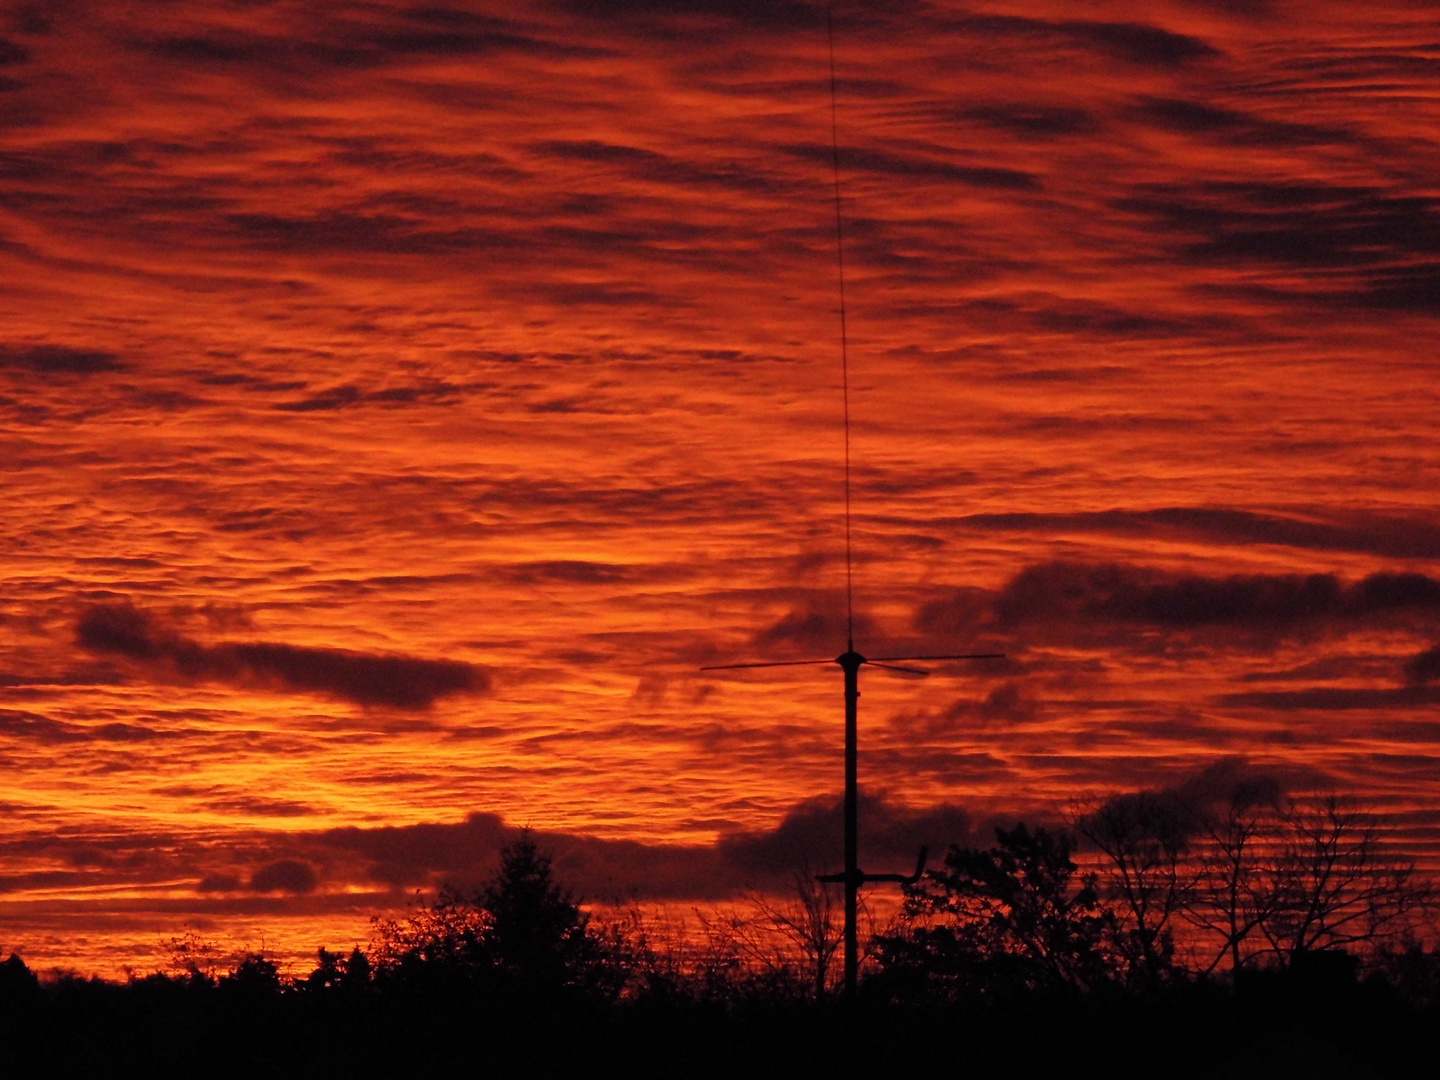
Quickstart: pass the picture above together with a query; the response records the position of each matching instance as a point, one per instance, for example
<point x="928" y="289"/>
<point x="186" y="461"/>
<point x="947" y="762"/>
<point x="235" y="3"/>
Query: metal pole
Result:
<point x="851" y="661"/>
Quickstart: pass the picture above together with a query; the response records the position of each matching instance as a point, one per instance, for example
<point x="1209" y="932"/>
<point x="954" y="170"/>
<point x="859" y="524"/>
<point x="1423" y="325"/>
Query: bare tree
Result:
<point x="808" y="922"/>
<point x="1338" y="886"/>
<point x="1279" y="877"/>
<point x="1145" y="837"/>
<point x="1235" y="890"/>
<point x="790" y="939"/>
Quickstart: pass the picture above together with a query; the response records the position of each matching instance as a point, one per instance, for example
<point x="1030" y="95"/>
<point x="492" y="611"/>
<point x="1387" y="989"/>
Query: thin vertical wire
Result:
<point x="844" y="335"/>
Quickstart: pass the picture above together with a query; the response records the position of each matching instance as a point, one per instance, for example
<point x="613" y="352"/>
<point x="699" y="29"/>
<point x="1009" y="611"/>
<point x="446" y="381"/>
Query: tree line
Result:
<point x="1249" y="883"/>
<point x="1148" y="914"/>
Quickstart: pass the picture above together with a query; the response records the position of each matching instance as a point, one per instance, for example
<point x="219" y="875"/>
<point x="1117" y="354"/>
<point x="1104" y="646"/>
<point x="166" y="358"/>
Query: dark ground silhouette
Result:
<point x="1010" y="961"/>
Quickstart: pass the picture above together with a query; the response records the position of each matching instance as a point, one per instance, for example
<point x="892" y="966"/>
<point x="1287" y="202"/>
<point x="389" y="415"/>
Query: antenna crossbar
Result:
<point x="887" y="662"/>
<point x="764" y="664"/>
<point x="897" y="667"/>
<point x="944" y="656"/>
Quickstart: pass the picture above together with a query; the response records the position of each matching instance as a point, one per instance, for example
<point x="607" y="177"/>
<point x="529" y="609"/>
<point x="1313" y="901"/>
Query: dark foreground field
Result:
<point x="249" y="1024"/>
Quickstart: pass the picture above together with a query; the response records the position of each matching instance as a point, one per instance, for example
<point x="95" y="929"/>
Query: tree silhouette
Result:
<point x="1234" y="890"/>
<point x="441" y="939"/>
<point x="807" y="923"/>
<point x="522" y="933"/>
<point x="333" y="971"/>
<point x="18" y="984"/>
<point x="535" y="934"/>
<point x="1145" y="837"/>
<point x="1003" y="920"/>
<point x="1283" y="878"/>
<point x="1338" y="886"/>
<point x="790" y="942"/>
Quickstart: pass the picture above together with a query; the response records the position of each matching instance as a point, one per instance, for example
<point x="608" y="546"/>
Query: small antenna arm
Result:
<point x="919" y="866"/>
<point x="898" y="879"/>
<point x="905" y="879"/>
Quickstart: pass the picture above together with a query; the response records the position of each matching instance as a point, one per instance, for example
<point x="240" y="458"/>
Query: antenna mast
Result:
<point x="844" y="330"/>
<point x="850" y="661"/>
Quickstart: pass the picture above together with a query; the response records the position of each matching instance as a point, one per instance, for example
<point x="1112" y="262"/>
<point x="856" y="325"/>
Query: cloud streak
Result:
<point x="370" y="679"/>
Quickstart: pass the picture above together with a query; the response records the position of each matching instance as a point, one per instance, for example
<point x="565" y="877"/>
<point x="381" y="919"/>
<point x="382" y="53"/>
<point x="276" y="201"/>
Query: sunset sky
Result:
<point x="400" y="403"/>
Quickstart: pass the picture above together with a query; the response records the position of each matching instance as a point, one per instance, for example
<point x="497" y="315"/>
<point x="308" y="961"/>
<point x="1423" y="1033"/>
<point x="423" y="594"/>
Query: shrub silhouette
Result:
<point x="255" y="977"/>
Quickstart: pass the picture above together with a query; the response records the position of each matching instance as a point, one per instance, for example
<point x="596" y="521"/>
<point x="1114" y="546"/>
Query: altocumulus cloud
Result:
<point x="402" y="682"/>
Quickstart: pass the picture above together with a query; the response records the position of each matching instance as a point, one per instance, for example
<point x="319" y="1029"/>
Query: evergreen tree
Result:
<point x="522" y="933"/>
<point x="536" y="935"/>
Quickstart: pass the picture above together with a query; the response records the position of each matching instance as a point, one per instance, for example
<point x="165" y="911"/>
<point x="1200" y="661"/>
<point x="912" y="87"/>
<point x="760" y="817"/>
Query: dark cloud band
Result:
<point x="1058" y="594"/>
<point x="402" y="682"/>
